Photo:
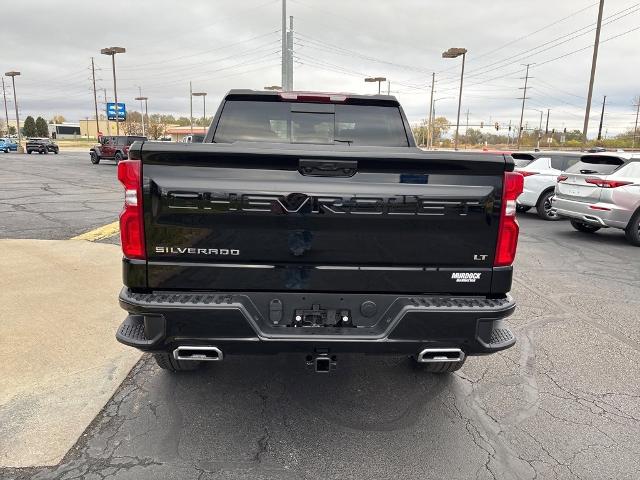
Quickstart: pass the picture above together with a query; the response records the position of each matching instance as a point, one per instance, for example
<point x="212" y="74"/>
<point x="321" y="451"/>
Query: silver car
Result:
<point x="601" y="190"/>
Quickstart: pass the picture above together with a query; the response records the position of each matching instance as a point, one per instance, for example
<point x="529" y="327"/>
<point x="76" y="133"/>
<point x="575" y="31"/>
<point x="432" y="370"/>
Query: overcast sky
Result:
<point x="221" y="45"/>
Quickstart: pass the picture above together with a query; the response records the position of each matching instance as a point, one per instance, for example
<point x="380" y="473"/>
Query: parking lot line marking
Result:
<point x="99" y="233"/>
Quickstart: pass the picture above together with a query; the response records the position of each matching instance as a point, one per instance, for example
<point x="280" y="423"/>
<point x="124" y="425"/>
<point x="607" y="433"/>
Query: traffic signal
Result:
<point x="509" y="127"/>
<point x="481" y="124"/>
<point x="565" y="129"/>
<point x="497" y="127"/>
<point x="553" y="130"/>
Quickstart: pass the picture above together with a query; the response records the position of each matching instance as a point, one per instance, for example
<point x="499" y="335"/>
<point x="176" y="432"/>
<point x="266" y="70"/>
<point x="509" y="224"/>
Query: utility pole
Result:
<point x="466" y="131"/>
<point x="104" y="90"/>
<point x="191" y="106"/>
<point x="594" y="61"/>
<point x="604" y="101"/>
<point x="540" y="130"/>
<point x="546" y="128"/>
<point x="6" y="112"/>
<point x="95" y="99"/>
<point x="524" y="97"/>
<point x="433" y="82"/>
<point x="635" y="129"/>
<point x="290" y="55"/>
<point x="284" y="47"/>
<point x="388" y="87"/>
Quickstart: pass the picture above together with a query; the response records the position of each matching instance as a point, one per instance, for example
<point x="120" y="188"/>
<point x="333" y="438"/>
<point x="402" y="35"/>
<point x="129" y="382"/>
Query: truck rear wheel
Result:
<point x="167" y="362"/>
<point x="439" y="367"/>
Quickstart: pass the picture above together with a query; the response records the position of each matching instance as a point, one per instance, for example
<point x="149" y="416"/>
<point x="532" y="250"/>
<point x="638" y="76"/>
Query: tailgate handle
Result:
<point x="328" y="168"/>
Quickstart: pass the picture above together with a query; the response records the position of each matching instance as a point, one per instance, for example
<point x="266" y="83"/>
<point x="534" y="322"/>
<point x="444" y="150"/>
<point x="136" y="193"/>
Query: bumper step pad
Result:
<point x="132" y="332"/>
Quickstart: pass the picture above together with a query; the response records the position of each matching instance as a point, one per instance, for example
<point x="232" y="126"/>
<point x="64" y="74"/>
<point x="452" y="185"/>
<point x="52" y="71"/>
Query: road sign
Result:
<point x="111" y="111"/>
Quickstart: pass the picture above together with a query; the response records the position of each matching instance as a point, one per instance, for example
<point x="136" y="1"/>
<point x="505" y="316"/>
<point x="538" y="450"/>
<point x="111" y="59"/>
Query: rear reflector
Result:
<point x="562" y="178"/>
<point x="131" y="218"/>
<point x="595" y="207"/>
<point x="607" y="183"/>
<point x="508" y="228"/>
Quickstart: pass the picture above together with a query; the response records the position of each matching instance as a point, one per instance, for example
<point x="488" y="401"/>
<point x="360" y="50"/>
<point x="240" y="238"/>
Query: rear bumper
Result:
<point x="248" y="323"/>
<point x="613" y="216"/>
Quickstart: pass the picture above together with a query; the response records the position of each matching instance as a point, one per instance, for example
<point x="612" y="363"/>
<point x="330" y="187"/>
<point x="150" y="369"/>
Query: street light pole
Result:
<point x="144" y="112"/>
<point x="453" y="53"/>
<point x="376" y="79"/>
<point x="191" y="107"/>
<point x="13" y="76"/>
<point x="204" y="103"/>
<point x="112" y="51"/>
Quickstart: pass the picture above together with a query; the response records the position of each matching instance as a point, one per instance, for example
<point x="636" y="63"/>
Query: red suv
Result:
<point x="113" y="148"/>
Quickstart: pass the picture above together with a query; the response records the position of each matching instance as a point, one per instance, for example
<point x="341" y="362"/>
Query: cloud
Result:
<point x="222" y="45"/>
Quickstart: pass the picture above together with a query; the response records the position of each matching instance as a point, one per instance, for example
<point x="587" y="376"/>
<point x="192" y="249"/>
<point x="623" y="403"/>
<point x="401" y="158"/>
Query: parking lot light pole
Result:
<point x="204" y="103"/>
<point x="112" y="51"/>
<point x="13" y="76"/>
<point x="453" y="53"/>
<point x="376" y="79"/>
<point x="145" y="113"/>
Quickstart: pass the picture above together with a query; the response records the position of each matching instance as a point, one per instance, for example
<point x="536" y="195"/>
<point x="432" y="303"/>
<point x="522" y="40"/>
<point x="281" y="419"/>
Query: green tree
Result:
<point x="12" y="130"/>
<point x="42" y="129"/>
<point x="29" y="127"/>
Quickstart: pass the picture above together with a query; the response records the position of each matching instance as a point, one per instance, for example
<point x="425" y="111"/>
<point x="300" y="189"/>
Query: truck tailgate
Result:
<point x="289" y="217"/>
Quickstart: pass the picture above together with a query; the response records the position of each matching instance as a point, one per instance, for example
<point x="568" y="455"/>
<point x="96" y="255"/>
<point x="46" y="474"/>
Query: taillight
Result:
<point x="131" y="218"/>
<point x="508" y="229"/>
<point x="607" y="183"/>
<point x="524" y="173"/>
<point x="562" y="178"/>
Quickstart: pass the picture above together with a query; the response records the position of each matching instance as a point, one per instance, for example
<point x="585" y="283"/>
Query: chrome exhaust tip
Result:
<point x="198" y="353"/>
<point x="439" y="355"/>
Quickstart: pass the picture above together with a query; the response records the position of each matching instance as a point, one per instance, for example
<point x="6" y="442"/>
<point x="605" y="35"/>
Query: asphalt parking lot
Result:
<point x="563" y="403"/>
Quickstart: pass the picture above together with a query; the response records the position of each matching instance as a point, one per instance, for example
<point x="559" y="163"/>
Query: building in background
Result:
<point x="66" y="130"/>
<point x="179" y="134"/>
<point x="88" y="128"/>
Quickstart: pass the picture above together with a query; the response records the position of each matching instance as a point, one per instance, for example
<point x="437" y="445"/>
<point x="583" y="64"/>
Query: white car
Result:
<point x="540" y="177"/>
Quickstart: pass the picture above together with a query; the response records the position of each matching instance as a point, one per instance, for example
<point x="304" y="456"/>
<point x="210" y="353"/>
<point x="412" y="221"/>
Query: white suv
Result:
<point x="540" y="178"/>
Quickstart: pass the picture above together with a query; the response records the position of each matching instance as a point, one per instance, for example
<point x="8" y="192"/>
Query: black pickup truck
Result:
<point x="311" y="223"/>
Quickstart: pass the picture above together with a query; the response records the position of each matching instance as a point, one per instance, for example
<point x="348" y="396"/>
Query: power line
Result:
<point x="551" y="44"/>
<point x="164" y="61"/>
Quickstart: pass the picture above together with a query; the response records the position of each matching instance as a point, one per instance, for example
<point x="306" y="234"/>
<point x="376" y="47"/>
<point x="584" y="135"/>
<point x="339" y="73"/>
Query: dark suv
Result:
<point x="113" y="148"/>
<point x="42" y="145"/>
